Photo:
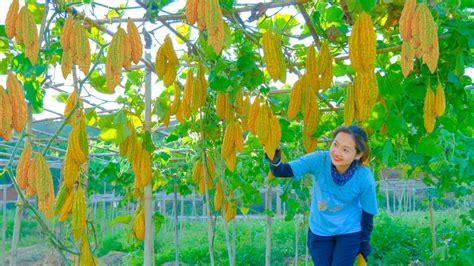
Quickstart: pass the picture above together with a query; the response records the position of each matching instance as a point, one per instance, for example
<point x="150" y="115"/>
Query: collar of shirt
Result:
<point x="342" y="178"/>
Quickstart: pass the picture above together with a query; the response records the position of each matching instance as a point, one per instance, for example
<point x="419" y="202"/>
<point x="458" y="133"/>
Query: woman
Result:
<point x="343" y="202"/>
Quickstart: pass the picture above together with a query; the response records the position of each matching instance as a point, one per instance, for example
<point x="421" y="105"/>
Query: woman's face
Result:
<point x="343" y="151"/>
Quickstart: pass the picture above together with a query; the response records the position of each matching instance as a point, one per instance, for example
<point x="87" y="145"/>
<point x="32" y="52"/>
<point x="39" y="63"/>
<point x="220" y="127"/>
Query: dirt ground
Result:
<point x="41" y="254"/>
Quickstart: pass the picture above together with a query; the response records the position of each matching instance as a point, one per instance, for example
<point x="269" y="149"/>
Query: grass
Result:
<point x="396" y="240"/>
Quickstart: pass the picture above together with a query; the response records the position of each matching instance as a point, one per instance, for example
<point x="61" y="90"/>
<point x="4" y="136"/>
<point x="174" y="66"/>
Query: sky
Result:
<point x="100" y="12"/>
<point x="51" y="103"/>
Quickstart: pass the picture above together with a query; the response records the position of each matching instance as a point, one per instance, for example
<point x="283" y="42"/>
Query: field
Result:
<point x="397" y="240"/>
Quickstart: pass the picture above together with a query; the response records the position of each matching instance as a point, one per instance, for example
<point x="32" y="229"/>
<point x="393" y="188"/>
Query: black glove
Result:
<point x="276" y="158"/>
<point x="365" y="249"/>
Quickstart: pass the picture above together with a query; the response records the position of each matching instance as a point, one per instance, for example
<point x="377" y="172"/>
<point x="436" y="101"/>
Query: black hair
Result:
<point x="360" y="138"/>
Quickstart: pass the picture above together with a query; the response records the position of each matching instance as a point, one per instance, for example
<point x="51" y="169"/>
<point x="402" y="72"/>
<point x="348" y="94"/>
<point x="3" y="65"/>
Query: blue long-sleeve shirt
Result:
<point x="335" y="209"/>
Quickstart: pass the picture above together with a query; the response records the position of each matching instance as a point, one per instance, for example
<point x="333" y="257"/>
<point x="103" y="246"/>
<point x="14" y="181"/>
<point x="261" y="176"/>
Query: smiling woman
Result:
<point x="343" y="202"/>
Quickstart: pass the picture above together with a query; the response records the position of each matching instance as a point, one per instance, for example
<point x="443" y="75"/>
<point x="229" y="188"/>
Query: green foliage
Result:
<point x="34" y="95"/>
<point x="442" y="158"/>
<point x="114" y="127"/>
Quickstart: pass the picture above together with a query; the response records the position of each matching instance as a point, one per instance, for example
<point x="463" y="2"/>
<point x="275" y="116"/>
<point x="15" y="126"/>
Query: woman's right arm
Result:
<point x="278" y="168"/>
<point x="297" y="168"/>
<point x="281" y="170"/>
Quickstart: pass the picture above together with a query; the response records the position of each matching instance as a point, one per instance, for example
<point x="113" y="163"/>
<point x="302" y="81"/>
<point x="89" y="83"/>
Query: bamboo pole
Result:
<point x="104" y="211"/>
<point x="310" y="25"/>
<point x="227" y="237"/>
<point x="224" y="220"/>
<point x="268" y="207"/>
<point x="234" y="248"/>
<point x="16" y="231"/>
<point x="432" y="226"/>
<point x="4" y="223"/>
<point x="176" y="225"/>
<point x="181" y="16"/>
<point x="296" y="240"/>
<point x="149" y="226"/>
<point x="208" y="207"/>
<point x="20" y="203"/>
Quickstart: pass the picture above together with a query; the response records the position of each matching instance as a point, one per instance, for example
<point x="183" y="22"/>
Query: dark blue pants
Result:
<point x="338" y="250"/>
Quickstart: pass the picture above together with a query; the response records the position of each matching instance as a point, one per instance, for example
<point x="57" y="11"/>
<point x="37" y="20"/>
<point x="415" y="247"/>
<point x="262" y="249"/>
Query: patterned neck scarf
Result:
<point x="342" y="178"/>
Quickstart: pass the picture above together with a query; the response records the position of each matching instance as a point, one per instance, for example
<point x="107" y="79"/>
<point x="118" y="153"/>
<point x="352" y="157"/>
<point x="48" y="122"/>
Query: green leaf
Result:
<point x="36" y="9"/>
<point x="162" y="104"/>
<point x="159" y="220"/>
<point x="121" y="219"/>
<point x="449" y="123"/>
<point x="265" y="23"/>
<point x="135" y="77"/>
<point x="158" y="181"/>
<point x="395" y="124"/>
<point x="220" y="83"/>
<point x="184" y="30"/>
<point x="227" y="4"/>
<point x="287" y="134"/>
<point x="264" y="89"/>
<point x="284" y="22"/>
<point x="428" y="147"/>
<point x="246" y="63"/>
<point x="334" y="13"/>
<point x="4" y="66"/>
<point x="460" y="64"/>
<point x="114" y="127"/>
<point x="34" y="95"/>
<point x="164" y="156"/>
<point x="3" y="33"/>
<point x="340" y="69"/>
<point x="37" y="70"/>
<point x="21" y="64"/>
<point x="387" y="152"/>
<point x="91" y="116"/>
<point x="269" y="213"/>
<point x="368" y="5"/>
<point x="98" y="81"/>
<point x="148" y="142"/>
<point x="62" y="97"/>
<point x="171" y="137"/>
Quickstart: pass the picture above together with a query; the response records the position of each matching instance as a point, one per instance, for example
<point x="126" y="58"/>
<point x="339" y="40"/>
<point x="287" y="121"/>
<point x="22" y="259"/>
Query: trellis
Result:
<point x="148" y="65"/>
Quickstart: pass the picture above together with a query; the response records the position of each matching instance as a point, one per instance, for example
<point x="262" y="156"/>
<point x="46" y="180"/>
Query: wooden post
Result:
<point x="210" y="226"/>
<point x="385" y="181"/>
<point x="400" y="201"/>
<point x="227" y="235"/>
<point x="163" y="206"/>
<point x="182" y="212"/>
<point x="432" y="225"/>
<point x="114" y="209"/>
<point x="203" y="206"/>
<point x="306" y="259"/>
<point x="394" y="200"/>
<point x="234" y="247"/>
<point x="4" y="223"/>
<point x="278" y="203"/>
<point x="405" y="202"/>
<point x="19" y="205"/>
<point x="182" y="206"/>
<point x="268" y="205"/>
<point x="16" y="228"/>
<point x="296" y="240"/>
<point x="194" y="204"/>
<point x="176" y="228"/>
<point x="149" y="252"/>
<point x="104" y="211"/>
<point x="409" y="197"/>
